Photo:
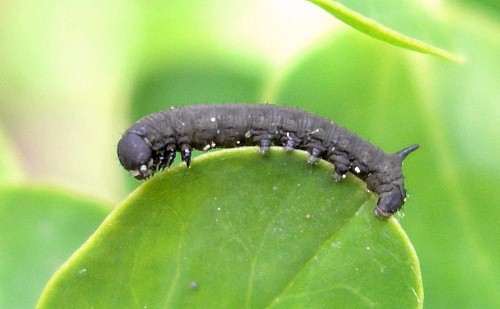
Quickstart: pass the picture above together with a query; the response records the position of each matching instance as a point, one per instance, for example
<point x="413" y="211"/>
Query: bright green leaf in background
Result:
<point x="39" y="229"/>
<point x="239" y="229"/>
<point x="373" y="28"/>
<point x="486" y="7"/>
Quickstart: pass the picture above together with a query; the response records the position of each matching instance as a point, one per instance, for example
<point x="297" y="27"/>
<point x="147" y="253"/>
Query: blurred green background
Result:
<point x="74" y="75"/>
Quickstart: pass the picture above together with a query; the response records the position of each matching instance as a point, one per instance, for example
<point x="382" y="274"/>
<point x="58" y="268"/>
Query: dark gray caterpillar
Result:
<point x="152" y="142"/>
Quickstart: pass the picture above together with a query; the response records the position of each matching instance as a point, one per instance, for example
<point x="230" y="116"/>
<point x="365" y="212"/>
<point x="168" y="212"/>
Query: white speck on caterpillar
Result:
<point x="212" y="119"/>
<point x="357" y="170"/>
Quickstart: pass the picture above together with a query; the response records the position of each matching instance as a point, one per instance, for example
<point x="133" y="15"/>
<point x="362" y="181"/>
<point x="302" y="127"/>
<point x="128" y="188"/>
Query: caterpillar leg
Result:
<point x="168" y="156"/>
<point x="264" y="145"/>
<point x="289" y="141"/>
<point x="342" y="166"/>
<point x="186" y="153"/>
<point x="340" y="172"/>
<point x="289" y="145"/>
<point x="314" y="155"/>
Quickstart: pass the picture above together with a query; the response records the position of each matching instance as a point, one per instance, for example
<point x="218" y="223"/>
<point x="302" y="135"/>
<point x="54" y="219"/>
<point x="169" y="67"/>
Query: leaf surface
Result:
<point x="39" y="229"/>
<point x="238" y="229"/>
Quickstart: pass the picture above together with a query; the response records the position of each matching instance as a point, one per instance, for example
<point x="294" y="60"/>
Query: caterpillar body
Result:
<point x="151" y="143"/>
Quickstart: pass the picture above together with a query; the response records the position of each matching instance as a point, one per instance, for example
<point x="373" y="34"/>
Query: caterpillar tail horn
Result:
<point x="406" y="151"/>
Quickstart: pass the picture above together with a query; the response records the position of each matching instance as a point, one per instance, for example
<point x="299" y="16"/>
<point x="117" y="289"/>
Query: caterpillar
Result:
<point x="152" y="142"/>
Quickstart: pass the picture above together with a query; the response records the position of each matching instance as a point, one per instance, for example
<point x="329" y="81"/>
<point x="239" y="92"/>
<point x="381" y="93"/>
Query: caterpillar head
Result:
<point x="136" y="155"/>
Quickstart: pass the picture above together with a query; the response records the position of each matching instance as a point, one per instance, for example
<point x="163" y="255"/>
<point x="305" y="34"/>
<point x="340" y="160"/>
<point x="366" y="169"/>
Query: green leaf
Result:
<point x="379" y="31"/>
<point x="238" y="229"/>
<point x="39" y="228"/>
<point x="483" y="6"/>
